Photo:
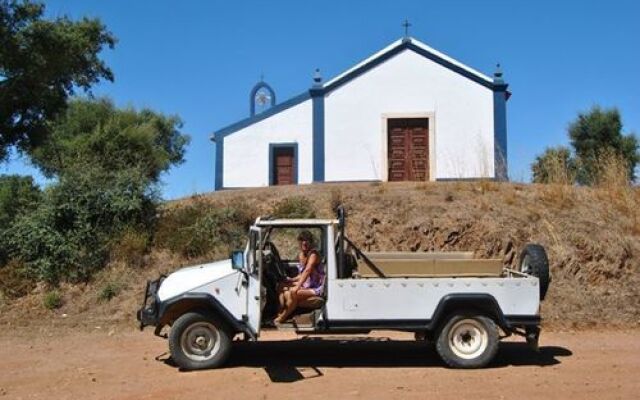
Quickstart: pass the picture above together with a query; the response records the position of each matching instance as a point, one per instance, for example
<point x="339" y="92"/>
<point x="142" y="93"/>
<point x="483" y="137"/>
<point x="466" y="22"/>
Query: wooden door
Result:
<point x="283" y="168"/>
<point x="408" y="149"/>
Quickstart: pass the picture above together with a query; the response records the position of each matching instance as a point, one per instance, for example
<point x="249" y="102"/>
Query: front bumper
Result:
<point x="148" y="314"/>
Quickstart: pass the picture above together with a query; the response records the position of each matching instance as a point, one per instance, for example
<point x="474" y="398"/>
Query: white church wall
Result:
<point x="246" y="152"/>
<point x="409" y="84"/>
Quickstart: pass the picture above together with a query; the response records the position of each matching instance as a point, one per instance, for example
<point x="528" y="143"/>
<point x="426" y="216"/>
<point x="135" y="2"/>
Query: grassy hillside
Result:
<point x="592" y="237"/>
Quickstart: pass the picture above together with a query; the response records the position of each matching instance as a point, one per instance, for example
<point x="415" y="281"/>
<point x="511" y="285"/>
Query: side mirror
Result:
<point x="237" y="260"/>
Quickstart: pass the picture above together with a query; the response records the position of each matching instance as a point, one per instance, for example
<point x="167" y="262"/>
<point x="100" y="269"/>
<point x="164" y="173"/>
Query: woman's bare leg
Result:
<point x="281" y="299"/>
<point x="290" y="305"/>
<point x="292" y="301"/>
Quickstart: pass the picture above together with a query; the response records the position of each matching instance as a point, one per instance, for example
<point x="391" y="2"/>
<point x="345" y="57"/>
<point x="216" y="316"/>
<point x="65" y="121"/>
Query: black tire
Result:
<point x="199" y="340"/>
<point x="533" y="260"/>
<point x="459" y="337"/>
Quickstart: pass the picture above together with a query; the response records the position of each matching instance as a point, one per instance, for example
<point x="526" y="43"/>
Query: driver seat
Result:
<point x="311" y="303"/>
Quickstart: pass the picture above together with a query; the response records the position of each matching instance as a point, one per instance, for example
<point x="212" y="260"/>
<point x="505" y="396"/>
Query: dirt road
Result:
<point x="131" y="365"/>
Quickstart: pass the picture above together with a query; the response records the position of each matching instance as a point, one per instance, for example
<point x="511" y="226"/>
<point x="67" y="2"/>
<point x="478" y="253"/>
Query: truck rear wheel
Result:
<point x="468" y="340"/>
<point x="199" y="340"/>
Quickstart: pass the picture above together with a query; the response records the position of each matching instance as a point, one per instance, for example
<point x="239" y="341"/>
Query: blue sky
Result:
<point x="200" y="59"/>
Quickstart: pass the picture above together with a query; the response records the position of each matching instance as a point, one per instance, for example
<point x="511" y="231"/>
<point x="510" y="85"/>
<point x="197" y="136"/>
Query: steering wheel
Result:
<point x="276" y="262"/>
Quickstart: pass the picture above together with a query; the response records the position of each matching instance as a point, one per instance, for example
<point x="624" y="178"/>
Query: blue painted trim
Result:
<point x="500" y="165"/>
<point x="404" y="45"/>
<point x="272" y="148"/>
<point x="219" y="143"/>
<point x="317" y="96"/>
<point x="252" y="99"/>
<point x="266" y="114"/>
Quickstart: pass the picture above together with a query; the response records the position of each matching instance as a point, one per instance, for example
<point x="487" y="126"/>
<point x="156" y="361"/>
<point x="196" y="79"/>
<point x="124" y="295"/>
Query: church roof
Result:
<point x="418" y="47"/>
<point x="395" y="48"/>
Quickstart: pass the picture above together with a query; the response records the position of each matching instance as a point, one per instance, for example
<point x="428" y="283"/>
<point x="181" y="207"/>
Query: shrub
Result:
<point x="611" y="170"/>
<point x="555" y="166"/>
<point x="203" y="229"/>
<point x="18" y="195"/>
<point x="52" y="300"/>
<point x="69" y="234"/>
<point x="294" y="207"/>
<point x="14" y="282"/>
<point x="131" y="247"/>
<point x="110" y="290"/>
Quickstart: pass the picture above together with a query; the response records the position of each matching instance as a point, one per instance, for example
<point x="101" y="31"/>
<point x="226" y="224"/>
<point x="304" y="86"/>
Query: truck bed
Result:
<point x="433" y="264"/>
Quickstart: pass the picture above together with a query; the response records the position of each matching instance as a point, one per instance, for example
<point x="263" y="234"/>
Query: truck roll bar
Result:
<point x="341" y="228"/>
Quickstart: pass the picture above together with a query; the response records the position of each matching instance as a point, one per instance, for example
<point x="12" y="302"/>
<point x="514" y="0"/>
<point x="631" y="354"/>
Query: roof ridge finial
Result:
<point x="497" y="75"/>
<point x="317" y="78"/>
<point x="406" y="24"/>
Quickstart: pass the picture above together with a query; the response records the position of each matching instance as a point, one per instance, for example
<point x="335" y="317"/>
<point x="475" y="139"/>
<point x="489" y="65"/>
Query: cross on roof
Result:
<point x="406" y="26"/>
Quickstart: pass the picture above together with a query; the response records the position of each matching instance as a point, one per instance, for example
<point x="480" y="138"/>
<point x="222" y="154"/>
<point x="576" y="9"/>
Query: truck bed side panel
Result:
<point x="415" y="298"/>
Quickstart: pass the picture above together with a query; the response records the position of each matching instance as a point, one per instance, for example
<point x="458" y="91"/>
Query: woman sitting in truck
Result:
<point x="308" y="283"/>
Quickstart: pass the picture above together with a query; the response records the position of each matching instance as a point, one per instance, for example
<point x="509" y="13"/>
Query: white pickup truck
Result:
<point x="459" y="303"/>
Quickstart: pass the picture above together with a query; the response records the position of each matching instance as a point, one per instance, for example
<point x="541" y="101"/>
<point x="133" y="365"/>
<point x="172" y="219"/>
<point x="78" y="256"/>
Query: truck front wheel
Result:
<point x="199" y="340"/>
<point x="468" y="341"/>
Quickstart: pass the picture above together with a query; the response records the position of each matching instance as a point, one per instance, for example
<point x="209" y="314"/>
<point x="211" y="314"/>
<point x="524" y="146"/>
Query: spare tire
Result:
<point x="533" y="261"/>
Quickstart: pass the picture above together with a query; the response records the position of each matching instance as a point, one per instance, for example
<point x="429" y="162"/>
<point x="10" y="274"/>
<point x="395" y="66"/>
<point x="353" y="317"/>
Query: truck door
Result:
<point x="254" y="274"/>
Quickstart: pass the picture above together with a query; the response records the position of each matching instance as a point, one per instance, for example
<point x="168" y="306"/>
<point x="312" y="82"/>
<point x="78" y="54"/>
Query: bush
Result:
<point x="110" y="290"/>
<point x="294" y="207"/>
<point x="18" y="195"/>
<point x="611" y="170"/>
<point x="52" y="300"/>
<point x="203" y="229"/>
<point x="131" y="247"/>
<point x="555" y="165"/>
<point x="14" y="282"/>
<point x="68" y="236"/>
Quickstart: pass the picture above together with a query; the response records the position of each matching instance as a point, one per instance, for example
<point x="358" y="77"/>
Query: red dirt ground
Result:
<point x="131" y="365"/>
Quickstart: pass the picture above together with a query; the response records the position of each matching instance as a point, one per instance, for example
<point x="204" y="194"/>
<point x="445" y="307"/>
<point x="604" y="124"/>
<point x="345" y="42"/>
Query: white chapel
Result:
<point x="406" y="113"/>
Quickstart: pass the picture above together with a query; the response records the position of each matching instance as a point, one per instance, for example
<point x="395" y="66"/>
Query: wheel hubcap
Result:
<point x="468" y="339"/>
<point x="200" y="341"/>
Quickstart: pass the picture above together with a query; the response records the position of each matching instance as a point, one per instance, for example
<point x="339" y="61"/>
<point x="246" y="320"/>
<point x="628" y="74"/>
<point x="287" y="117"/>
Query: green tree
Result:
<point x="555" y="165"/>
<point x="600" y="152"/>
<point x="42" y="63"/>
<point x="596" y="134"/>
<point x="107" y="163"/>
<point x="96" y="133"/>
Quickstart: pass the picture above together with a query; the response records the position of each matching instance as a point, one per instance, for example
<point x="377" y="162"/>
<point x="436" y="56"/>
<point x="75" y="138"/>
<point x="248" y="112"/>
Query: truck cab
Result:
<point x="459" y="303"/>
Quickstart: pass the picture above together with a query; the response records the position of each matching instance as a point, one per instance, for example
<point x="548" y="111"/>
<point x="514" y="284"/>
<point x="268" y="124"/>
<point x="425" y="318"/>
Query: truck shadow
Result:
<point x="290" y="361"/>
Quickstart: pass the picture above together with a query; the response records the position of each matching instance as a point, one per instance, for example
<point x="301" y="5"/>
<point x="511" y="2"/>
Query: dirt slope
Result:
<point x="592" y="237"/>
